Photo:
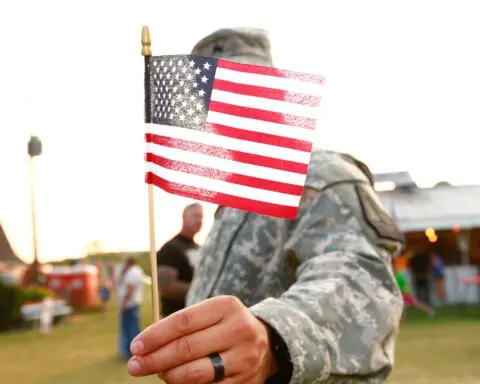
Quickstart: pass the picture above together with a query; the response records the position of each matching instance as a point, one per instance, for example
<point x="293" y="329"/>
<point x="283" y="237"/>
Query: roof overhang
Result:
<point x="439" y="223"/>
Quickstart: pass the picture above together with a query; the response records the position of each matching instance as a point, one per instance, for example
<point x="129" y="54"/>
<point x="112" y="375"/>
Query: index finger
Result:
<point x="189" y="320"/>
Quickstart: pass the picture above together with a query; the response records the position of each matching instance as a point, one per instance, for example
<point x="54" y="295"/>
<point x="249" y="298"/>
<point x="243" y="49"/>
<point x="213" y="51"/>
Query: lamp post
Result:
<point x="34" y="149"/>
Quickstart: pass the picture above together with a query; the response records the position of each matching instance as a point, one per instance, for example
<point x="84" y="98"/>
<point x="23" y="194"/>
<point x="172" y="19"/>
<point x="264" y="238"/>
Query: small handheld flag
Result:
<point x="232" y="134"/>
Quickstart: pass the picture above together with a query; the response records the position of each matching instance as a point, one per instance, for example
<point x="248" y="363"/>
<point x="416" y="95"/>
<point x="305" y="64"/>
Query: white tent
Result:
<point x="7" y="254"/>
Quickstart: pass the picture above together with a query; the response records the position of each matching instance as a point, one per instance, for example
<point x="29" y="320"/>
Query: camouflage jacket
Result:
<point x="323" y="281"/>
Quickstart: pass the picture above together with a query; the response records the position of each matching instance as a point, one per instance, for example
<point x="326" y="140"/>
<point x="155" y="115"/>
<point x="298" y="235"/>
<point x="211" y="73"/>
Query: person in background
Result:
<point x="408" y="296"/>
<point x="175" y="259"/>
<point x="130" y="290"/>
<point x="46" y="315"/>
<point x="105" y="283"/>
<point x="438" y="273"/>
<point x="402" y="261"/>
<point x="420" y="268"/>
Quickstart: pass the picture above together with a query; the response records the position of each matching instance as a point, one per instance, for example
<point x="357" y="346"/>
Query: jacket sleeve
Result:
<point x="340" y="318"/>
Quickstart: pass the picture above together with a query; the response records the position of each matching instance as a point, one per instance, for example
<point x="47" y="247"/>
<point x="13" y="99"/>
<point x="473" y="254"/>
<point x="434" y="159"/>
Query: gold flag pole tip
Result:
<point x="146" y="42"/>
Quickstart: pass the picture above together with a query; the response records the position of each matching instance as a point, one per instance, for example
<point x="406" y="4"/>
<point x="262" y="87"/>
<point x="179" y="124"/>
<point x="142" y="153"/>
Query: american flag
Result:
<point x="231" y="134"/>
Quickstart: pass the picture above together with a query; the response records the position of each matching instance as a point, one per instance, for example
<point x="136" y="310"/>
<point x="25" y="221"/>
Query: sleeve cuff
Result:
<point x="298" y="332"/>
<point x="282" y="356"/>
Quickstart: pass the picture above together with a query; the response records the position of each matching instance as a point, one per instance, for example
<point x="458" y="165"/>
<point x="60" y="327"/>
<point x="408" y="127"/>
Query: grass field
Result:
<point x="82" y="351"/>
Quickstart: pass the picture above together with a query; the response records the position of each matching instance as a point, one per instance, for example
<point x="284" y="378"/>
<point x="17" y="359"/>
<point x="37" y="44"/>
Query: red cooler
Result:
<point x="78" y="284"/>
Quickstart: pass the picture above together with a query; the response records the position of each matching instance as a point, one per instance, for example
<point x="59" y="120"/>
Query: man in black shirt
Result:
<point x="175" y="270"/>
<point x="420" y="265"/>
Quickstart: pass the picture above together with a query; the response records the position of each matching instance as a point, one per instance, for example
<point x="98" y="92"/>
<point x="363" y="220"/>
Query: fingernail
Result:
<point x="133" y="366"/>
<point x="137" y="347"/>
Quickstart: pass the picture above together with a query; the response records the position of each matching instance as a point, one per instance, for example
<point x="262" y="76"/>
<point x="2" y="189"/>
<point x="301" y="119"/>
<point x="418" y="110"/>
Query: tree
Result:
<point x="443" y="184"/>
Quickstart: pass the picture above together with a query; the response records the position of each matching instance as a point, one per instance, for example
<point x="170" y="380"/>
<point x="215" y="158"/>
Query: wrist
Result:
<point x="279" y="364"/>
<point x="271" y="363"/>
<point x="272" y="366"/>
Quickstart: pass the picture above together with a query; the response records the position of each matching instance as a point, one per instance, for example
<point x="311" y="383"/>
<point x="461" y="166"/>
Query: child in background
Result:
<point x="401" y="262"/>
<point x="46" y="316"/>
<point x="408" y="296"/>
<point x="438" y="273"/>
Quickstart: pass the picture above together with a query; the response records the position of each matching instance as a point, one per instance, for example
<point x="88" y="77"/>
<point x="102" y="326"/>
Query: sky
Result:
<point x="402" y="93"/>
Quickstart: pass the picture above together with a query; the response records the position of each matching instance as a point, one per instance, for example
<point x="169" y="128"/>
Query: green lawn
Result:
<point x="442" y="350"/>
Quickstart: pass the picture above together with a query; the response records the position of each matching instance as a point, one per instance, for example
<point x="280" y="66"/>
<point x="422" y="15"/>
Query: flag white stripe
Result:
<point x="265" y="104"/>
<point x="226" y="165"/>
<point x="261" y="126"/>
<point x="224" y="186"/>
<point x="292" y="85"/>
<point x="229" y="143"/>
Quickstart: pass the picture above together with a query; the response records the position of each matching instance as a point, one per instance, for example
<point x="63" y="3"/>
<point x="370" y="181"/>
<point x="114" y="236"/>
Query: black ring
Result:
<point x="218" y="367"/>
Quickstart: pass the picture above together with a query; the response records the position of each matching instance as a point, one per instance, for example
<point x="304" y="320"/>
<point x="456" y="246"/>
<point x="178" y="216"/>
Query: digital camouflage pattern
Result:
<point x="243" y="45"/>
<point x="323" y="281"/>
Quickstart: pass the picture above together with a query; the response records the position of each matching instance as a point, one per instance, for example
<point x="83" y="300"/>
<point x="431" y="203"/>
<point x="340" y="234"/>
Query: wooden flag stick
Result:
<point x="147" y="52"/>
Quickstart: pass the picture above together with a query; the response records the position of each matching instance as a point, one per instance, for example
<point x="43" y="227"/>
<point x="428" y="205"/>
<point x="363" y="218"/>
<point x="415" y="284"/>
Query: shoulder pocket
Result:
<point x="375" y="216"/>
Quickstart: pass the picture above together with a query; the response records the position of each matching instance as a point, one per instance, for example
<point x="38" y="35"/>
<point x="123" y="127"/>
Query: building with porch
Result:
<point x="444" y="219"/>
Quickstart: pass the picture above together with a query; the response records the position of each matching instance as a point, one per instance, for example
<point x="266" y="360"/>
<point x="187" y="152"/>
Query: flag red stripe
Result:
<point x="260" y="137"/>
<point x="260" y="114"/>
<point x="270" y="71"/>
<point x="267" y="93"/>
<point x="242" y="157"/>
<point x="228" y="177"/>
<point x="255" y="206"/>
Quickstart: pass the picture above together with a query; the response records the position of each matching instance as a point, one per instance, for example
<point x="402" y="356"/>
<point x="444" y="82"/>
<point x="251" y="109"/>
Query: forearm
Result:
<point x="337" y="321"/>
<point x="177" y="290"/>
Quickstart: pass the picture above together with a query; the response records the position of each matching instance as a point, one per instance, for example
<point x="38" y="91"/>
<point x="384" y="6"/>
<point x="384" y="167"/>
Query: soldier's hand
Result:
<point x="177" y="348"/>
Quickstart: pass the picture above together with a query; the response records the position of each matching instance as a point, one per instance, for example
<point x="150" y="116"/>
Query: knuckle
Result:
<point x="147" y="363"/>
<point x="170" y="378"/>
<point x="231" y="302"/>
<point x="184" y="347"/>
<point x="251" y="359"/>
<point x="193" y="374"/>
<point x="190" y="373"/>
<point x="182" y="322"/>
<point x="245" y="328"/>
